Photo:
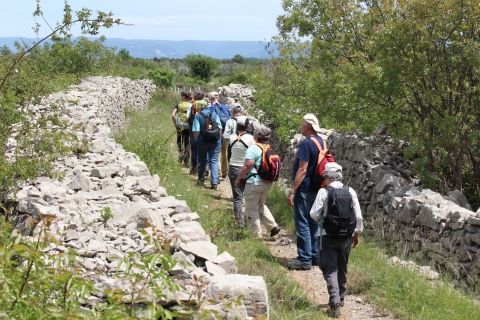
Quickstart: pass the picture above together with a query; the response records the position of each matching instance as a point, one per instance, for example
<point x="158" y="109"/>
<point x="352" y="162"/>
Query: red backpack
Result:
<point x="324" y="157"/>
<point x="269" y="168"/>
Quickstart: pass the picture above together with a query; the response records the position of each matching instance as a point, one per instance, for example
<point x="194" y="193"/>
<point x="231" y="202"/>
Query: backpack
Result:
<point x="223" y="113"/>
<point x="324" y="157"/>
<point x="239" y="139"/>
<point x="269" y="168"/>
<point x="340" y="220"/>
<point x="196" y="107"/>
<point x="181" y="116"/>
<point x="209" y="130"/>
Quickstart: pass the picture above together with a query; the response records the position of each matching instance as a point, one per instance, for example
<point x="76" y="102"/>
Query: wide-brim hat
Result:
<point x="310" y="118"/>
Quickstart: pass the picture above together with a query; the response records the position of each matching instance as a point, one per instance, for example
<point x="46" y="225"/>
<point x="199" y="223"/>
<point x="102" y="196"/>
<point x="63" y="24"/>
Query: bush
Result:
<point x="162" y="77"/>
<point x="201" y="66"/>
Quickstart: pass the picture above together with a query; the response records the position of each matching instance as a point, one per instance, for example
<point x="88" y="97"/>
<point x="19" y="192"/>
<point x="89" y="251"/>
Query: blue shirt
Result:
<point x="254" y="152"/>
<point x="198" y="120"/>
<point x="307" y="151"/>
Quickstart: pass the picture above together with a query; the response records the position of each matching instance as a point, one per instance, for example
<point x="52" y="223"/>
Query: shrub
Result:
<point x="162" y="77"/>
<point x="201" y="66"/>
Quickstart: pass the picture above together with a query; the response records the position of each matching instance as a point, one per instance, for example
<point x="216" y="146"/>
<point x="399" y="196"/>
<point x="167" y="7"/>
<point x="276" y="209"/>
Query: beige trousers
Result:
<point x="255" y="209"/>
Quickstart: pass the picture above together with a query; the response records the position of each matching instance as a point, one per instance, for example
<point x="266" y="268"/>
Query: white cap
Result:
<point x="333" y="167"/>
<point x="310" y="118"/>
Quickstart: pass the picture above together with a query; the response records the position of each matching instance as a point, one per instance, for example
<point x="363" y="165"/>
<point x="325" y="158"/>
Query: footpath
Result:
<point x="283" y="248"/>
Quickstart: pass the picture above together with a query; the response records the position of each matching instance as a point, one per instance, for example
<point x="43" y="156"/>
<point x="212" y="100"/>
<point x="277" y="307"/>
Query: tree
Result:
<point x="201" y="66"/>
<point x="412" y="65"/>
<point x="238" y="59"/>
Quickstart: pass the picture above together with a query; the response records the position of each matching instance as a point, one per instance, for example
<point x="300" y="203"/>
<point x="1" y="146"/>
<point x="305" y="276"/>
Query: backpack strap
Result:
<point x="321" y="151"/>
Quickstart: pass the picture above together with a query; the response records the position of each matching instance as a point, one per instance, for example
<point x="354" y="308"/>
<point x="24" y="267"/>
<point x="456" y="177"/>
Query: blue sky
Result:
<point x="160" y="19"/>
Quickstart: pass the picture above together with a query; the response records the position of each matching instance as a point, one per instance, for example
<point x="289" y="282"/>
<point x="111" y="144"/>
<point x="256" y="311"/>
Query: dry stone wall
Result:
<point x="109" y="179"/>
<point x="436" y="229"/>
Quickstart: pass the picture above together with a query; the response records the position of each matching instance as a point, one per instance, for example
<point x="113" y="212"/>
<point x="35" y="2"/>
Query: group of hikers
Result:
<point x="327" y="215"/>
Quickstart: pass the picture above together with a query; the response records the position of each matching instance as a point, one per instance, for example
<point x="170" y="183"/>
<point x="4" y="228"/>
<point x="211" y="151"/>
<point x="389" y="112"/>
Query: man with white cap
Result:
<point x="337" y="210"/>
<point x="302" y="193"/>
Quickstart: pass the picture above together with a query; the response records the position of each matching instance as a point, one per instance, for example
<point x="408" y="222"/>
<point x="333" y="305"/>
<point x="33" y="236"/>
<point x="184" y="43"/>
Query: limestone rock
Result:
<point x="202" y="249"/>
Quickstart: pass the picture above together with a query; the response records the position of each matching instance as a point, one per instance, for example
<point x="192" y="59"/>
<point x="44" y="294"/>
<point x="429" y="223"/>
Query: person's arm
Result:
<point x="247" y="167"/>
<point x="174" y="114"/>
<point x="299" y="176"/>
<point x="228" y="129"/>
<point x="195" y="128"/>
<point x="358" y="215"/>
<point x="317" y="208"/>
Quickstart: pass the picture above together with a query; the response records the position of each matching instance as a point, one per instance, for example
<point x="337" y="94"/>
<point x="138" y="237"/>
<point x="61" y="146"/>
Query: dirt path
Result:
<point x="284" y="248"/>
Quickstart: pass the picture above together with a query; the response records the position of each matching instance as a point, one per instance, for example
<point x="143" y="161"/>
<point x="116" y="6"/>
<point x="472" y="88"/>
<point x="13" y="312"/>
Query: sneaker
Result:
<point x="298" y="265"/>
<point x="274" y="231"/>
<point x="334" y="310"/>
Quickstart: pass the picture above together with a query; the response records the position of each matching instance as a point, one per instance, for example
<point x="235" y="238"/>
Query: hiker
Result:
<point x="198" y="104"/>
<point x="180" y="116"/>
<point x="238" y="145"/>
<point x="231" y="124"/>
<point x="333" y="201"/>
<point x="302" y="194"/>
<point x="207" y="130"/>
<point x="223" y="113"/>
<point x="256" y="188"/>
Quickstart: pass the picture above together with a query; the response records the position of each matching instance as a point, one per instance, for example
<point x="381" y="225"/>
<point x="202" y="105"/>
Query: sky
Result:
<point x="236" y="20"/>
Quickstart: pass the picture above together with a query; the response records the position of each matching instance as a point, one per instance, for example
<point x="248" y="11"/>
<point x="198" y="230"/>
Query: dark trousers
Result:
<point x="333" y="263"/>
<point x="237" y="192"/>
<point x="183" y="139"/>
<point x="193" y="151"/>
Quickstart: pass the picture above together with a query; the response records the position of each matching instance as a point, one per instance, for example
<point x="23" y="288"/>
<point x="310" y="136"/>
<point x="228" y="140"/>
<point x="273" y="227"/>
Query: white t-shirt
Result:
<point x="230" y="128"/>
<point x="238" y="149"/>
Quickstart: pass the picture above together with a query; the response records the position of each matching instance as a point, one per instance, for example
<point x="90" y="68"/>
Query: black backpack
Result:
<point x="210" y="130"/>
<point x="340" y="220"/>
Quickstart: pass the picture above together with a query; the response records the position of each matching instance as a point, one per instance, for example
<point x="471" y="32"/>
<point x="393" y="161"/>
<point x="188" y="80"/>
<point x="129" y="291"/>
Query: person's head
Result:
<point x="186" y="96"/>
<point x="242" y="123"/>
<point x="198" y="95"/>
<point x="237" y="110"/>
<point x="333" y="172"/>
<point x="213" y="96"/>
<point x="262" y="134"/>
<point x="310" y="125"/>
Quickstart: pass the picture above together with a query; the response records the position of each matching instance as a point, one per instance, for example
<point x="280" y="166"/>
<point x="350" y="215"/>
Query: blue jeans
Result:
<point x="208" y="152"/>
<point x="306" y="227"/>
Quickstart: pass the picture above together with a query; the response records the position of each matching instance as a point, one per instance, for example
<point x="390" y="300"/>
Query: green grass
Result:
<point x="406" y="294"/>
<point x="150" y="135"/>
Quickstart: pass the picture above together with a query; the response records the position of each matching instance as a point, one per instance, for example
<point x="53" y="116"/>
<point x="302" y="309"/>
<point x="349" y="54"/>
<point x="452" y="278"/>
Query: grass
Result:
<point x="150" y="135"/>
<point x="403" y="292"/>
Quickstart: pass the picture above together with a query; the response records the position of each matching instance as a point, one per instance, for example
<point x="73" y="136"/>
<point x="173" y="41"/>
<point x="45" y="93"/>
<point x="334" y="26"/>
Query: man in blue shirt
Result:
<point x="207" y="150"/>
<point x="302" y="194"/>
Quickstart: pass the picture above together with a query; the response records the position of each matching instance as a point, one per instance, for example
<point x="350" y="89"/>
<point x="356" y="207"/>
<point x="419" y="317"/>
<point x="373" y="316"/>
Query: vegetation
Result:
<point x="200" y="66"/>
<point x="410" y="65"/>
<point x="286" y="298"/>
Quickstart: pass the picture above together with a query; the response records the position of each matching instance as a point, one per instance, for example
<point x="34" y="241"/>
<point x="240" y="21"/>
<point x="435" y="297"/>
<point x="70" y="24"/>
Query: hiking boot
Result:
<point x="342" y="302"/>
<point x="214" y="187"/>
<point x="315" y="262"/>
<point x="334" y="310"/>
<point x="274" y="231"/>
<point x="298" y="265"/>
<point x="193" y="171"/>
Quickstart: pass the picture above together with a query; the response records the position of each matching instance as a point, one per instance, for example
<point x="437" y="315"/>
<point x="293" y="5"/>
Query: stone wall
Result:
<point x="108" y="178"/>
<point x="436" y="229"/>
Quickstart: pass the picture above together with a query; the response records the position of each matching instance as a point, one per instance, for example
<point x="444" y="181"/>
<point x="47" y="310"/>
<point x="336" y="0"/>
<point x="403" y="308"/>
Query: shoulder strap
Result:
<point x="321" y="151"/>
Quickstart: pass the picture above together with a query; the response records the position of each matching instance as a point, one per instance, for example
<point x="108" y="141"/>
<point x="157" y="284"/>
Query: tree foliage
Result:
<point x="411" y="65"/>
<point x="201" y="66"/>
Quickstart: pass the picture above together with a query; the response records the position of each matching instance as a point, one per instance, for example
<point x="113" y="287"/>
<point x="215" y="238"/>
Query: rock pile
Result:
<point x="107" y="204"/>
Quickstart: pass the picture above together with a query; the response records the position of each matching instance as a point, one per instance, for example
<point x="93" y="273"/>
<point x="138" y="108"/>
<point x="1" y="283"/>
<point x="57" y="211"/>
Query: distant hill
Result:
<point x="177" y="49"/>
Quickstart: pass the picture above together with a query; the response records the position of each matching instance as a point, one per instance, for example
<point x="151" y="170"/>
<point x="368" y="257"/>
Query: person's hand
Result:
<point x="238" y="183"/>
<point x="290" y="197"/>
<point x="356" y="239"/>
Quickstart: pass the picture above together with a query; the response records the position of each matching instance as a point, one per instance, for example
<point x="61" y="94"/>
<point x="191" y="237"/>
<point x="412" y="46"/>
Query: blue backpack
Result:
<point x="223" y="113"/>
